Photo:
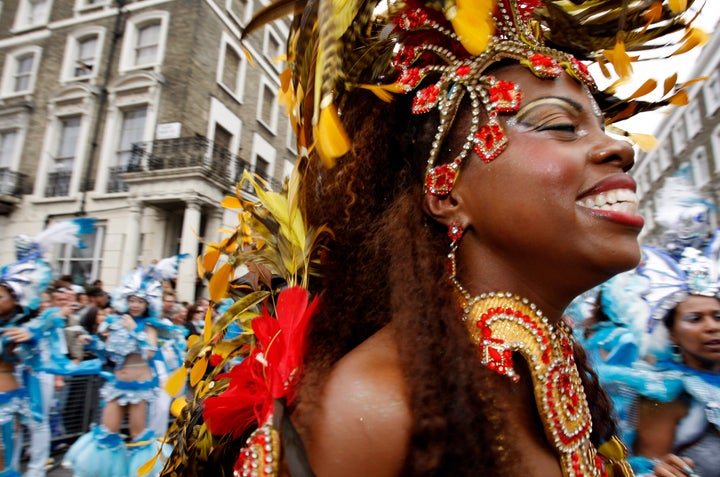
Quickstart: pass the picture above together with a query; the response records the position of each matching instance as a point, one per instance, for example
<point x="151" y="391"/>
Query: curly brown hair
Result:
<point x="387" y="262"/>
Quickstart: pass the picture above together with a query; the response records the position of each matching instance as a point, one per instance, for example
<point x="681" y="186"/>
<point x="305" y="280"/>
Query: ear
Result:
<point x="445" y="208"/>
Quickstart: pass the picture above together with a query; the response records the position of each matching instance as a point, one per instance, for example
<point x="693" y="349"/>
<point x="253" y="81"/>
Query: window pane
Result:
<point x="133" y="130"/>
<point x="7" y="147"/>
<point x="147" y="44"/>
<point x="268" y="103"/>
<point x="67" y="146"/>
<point x="37" y="11"/>
<point x="85" y="62"/>
<point x="230" y="69"/>
<point x="23" y="73"/>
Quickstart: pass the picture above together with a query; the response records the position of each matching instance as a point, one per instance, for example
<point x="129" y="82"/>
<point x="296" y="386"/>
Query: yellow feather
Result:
<point x="646" y="142"/>
<point x="646" y="88"/>
<point x="177" y="406"/>
<point x="679" y="99"/>
<point x="677" y="6"/>
<point x="176" y="381"/>
<point x="198" y="370"/>
<point x="147" y="466"/>
<point x="473" y="24"/>
<point x="384" y="92"/>
<point x="669" y="83"/>
<point x="694" y="37"/>
<point x="230" y="202"/>
<point x="331" y="140"/>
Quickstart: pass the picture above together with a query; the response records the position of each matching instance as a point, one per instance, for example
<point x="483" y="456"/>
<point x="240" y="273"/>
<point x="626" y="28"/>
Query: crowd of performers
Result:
<point x="132" y="348"/>
<point x="653" y="335"/>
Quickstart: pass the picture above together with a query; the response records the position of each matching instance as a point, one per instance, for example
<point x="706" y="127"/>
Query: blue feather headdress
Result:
<point x="146" y="283"/>
<point x="31" y="274"/>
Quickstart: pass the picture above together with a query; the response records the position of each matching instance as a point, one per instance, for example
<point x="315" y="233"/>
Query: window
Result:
<point x="715" y="141"/>
<point x="679" y="137"/>
<point x="8" y="177"/>
<point x="654" y="167"/>
<point x="144" y="41"/>
<point x="693" y="120"/>
<point x="267" y="106"/>
<point x="665" y="156"/>
<point x="291" y="139"/>
<point x="60" y="176"/>
<point x="263" y="156"/>
<point x="20" y="72"/>
<point x="148" y="41"/>
<point x="8" y="141"/>
<point x="32" y="14"/>
<point x="132" y="132"/>
<point x="83" y="264"/>
<point x="82" y="54"/>
<point x="240" y="10"/>
<point x="711" y="91"/>
<point x="273" y="48"/>
<point x="700" y="169"/>
<point x="90" y="4"/>
<point x="231" y="68"/>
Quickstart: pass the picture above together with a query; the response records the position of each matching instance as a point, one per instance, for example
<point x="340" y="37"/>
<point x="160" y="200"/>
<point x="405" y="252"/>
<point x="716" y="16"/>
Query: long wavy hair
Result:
<point x="387" y="263"/>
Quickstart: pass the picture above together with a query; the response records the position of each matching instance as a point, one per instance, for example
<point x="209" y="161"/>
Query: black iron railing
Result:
<point x="186" y="152"/>
<point x="58" y="184"/>
<point x="115" y="183"/>
<point x="12" y="182"/>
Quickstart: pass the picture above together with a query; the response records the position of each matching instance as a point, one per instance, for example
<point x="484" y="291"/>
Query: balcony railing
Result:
<point x="115" y="183"/>
<point x="58" y="184"/>
<point x="12" y="182"/>
<point x="198" y="151"/>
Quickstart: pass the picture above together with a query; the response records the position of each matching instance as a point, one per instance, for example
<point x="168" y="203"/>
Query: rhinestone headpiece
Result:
<point x="440" y="51"/>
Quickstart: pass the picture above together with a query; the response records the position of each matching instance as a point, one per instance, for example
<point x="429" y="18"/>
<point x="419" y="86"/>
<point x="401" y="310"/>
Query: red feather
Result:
<point x="271" y="371"/>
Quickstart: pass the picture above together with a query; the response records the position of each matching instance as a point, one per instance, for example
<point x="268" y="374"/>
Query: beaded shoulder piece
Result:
<point x="502" y="324"/>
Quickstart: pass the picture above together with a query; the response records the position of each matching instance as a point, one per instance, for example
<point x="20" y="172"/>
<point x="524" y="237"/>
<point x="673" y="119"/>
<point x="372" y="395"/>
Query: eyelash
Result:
<point x="563" y="127"/>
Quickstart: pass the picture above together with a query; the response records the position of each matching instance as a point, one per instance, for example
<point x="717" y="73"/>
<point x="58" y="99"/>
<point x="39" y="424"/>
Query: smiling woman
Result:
<point x="685" y="419"/>
<point x="420" y="121"/>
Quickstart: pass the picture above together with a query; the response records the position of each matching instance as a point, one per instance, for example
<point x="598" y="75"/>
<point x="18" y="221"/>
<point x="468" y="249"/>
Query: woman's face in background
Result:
<point x="696" y="331"/>
<point x="136" y="306"/>
<point x="7" y="301"/>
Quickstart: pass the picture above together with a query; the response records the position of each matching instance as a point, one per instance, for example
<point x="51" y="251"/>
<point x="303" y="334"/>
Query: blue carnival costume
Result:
<point x="24" y="280"/>
<point x="100" y="452"/>
<point x="627" y="336"/>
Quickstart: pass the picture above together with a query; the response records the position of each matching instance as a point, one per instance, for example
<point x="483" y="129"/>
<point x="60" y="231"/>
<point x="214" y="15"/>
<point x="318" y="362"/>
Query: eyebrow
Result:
<point x="565" y="103"/>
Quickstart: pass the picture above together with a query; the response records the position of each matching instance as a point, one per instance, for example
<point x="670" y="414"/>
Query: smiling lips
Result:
<point x="616" y="200"/>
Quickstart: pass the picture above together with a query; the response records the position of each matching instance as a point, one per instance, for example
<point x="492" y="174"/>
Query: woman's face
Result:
<point x="555" y="212"/>
<point x="136" y="306"/>
<point x="7" y="301"/>
<point x="696" y="331"/>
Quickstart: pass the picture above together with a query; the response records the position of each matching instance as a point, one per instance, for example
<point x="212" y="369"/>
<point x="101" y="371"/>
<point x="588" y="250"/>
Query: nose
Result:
<point x="610" y="150"/>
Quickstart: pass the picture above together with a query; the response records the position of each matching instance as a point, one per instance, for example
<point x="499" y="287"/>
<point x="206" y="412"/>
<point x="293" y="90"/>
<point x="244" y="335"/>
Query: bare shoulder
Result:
<point x="364" y="422"/>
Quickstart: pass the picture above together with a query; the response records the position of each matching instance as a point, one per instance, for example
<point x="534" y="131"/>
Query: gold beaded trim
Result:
<point x="502" y="324"/>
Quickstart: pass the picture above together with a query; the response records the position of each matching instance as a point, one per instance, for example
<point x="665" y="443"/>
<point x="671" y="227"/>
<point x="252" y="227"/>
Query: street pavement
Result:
<point x="54" y="470"/>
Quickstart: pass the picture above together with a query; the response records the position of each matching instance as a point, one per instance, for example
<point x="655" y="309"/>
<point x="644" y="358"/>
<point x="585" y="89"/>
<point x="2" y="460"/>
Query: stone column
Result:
<point x="187" y="272"/>
<point x="131" y="252"/>
<point x="214" y="223"/>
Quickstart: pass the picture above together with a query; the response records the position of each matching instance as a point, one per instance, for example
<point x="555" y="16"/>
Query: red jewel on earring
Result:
<point x="455" y="232"/>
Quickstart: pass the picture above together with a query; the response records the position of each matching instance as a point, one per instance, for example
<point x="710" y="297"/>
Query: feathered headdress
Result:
<point x="26" y="279"/>
<point x="146" y="283"/>
<point x="439" y="51"/>
<point x="671" y="280"/>
<point x="67" y="231"/>
<point x="31" y="274"/>
<point x="684" y="216"/>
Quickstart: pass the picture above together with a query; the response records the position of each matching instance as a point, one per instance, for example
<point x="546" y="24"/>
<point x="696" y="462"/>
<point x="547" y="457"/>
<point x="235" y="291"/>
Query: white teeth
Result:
<point x="618" y="200"/>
